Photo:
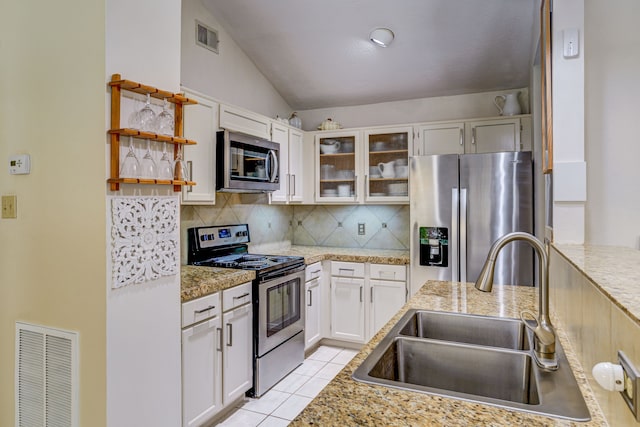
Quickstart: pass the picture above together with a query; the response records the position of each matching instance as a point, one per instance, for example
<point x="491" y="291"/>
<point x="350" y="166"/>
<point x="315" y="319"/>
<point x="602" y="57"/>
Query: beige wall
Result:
<point x="612" y="66"/>
<point x="52" y="257"/>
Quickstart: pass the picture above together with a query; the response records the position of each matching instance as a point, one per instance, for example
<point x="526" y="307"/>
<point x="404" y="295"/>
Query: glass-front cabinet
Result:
<point x="337" y="172"/>
<point x="387" y="164"/>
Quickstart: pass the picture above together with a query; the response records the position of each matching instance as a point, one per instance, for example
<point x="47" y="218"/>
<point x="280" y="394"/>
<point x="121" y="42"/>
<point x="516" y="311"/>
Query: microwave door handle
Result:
<point x="272" y="167"/>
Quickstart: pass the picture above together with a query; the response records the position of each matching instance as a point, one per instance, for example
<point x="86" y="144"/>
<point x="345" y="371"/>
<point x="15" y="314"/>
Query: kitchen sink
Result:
<point x="449" y="354"/>
<point x="467" y="328"/>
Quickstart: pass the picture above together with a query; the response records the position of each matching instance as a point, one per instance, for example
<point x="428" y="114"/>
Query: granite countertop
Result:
<point x="347" y="402"/>
<point x="612" y="269"/>
<point x="196" y="282"/>
<point x="313" y="254"/>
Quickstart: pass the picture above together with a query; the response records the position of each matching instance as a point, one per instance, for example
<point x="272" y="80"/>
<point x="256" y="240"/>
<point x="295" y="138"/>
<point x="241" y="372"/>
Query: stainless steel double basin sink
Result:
<point x="475" y="358"/>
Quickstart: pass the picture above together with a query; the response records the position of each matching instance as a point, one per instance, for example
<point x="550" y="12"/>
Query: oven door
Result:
<point x="247" y="163"/>
<point x="281" y="310"/>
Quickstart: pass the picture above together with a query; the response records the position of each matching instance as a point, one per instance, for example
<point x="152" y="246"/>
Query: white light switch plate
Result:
<point x="19" y="164"/>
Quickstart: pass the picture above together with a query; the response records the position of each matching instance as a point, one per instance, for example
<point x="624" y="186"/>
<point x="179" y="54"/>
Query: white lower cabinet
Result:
<point x="217" y="353"/>
<point x="201" y="361"/>
<point x="347" y="309"/>
<point x="237" y="366"/>
<point x="385" y="299"/>
<point x="364" y="297"/>
<point x="313" y="305"/>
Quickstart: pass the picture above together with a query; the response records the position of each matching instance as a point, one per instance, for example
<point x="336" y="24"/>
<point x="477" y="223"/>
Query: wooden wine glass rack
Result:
<point x="117" y="85"/>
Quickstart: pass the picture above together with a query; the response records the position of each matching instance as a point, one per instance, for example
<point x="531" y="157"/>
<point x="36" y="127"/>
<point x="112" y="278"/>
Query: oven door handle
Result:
<point x="272" y="166"/>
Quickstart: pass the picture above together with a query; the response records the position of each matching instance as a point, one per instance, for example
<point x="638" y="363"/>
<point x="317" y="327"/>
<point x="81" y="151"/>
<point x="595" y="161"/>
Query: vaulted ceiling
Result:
<point x="317" y="53"/>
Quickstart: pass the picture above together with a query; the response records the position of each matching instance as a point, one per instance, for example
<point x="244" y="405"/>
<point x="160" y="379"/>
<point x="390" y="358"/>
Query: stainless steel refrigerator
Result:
<point x="460" y="204"/>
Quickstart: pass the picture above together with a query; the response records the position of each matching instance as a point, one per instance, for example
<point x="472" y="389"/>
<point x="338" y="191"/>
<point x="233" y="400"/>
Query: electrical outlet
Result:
<point x="9" y="206"/>
<point x="361" y="228"/>
<point x="631" y="375"/>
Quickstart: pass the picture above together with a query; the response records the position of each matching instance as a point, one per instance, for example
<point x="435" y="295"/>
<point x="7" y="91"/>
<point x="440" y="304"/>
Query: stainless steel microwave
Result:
<point x="246" y="164"/>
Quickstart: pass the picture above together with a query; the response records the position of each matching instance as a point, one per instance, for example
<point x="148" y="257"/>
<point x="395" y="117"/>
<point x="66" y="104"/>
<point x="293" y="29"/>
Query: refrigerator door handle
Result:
<point x="454" y="235"/>
<point x="463" y="234"/>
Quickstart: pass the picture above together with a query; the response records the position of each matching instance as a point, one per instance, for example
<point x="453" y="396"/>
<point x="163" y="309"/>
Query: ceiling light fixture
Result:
<point x="381" y="37"/>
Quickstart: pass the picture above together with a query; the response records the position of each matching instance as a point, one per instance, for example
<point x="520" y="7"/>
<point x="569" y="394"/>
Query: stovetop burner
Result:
<point x="248" y="261"/>
<point x="226" y="247"/>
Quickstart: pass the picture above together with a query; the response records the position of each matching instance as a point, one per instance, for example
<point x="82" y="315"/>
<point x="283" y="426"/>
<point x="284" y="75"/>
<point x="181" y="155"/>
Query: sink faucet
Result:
<point x="544" y="351"/>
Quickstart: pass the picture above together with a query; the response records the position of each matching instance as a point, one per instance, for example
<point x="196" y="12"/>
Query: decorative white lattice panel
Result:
<point x="144" y="238"/>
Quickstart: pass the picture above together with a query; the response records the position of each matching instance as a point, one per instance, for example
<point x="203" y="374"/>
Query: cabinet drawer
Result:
<point x="236" y="296"/>
<point x="200" y="309"/>
<point x="347" y="269"/>
<point x="388" y="272"/>
<point x="313" y="271"/>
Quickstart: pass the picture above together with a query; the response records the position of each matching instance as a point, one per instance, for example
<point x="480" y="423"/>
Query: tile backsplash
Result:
<point x="273" y="226"/>
<point x="385" y="226"/>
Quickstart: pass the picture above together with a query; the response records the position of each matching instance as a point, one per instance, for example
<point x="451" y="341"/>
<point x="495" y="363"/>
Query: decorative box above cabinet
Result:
<point x="237" y="119"/>
<point x="117" y="85"/>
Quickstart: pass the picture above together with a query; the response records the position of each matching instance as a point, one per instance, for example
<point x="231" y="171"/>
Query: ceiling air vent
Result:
<point x="207" y="37"/>
<point x="46" y="377"/>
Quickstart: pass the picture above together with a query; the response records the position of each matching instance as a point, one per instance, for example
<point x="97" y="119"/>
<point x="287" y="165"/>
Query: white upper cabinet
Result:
<point x="240" y="120"/>
<point x="291" y="177"/>
<point x="386" y="160"/>
<point x="200" y="124"/>
<point x="296" y="173"/>
<point x="490" y="136"/>
<point x="338" y="167"/>
<point x="363" y="166"/>
<point x="473" y="136"/>
<point x="442" y="138"/>
<point x="280" y="134"/>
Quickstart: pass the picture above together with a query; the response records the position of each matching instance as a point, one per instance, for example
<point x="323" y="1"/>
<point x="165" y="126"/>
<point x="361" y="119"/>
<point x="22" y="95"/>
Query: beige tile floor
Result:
<point x="290" y="396"/>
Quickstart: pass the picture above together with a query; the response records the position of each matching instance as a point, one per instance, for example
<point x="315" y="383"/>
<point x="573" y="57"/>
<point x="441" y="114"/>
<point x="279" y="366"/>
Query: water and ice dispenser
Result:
<point x="434" y="246"/>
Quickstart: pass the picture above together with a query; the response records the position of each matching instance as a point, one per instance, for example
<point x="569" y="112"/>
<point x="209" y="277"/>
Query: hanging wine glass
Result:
<point x="149" y="168"/>
<point x="147" y="116"/>
<point x="166" y="169"/>
<point x="131" y="165"/>
<point x="134" y="118"/>
<point x="180" y="170"/>
<point x="164" y="121"/>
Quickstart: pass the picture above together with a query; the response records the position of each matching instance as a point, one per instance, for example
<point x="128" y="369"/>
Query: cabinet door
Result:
<point x="234" y="118"/>
<point x="443" y="138"/>
<point x="386" y="155"/>
<point x="491" y="136"/>
<point x="296" y="175"/>
<point x="312" y="320"/>
<point x="201" y="372"/>
<point x="238" y="352"/>
<point x="280" y="134"/>
<point x="200" y="124"/>
<point x="347" y="309"/>
<point x="385" y="299"/>
<point x="337" y="170"/>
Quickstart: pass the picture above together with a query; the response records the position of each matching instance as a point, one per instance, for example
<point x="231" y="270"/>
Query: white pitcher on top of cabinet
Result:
<point x="510" y="105"/>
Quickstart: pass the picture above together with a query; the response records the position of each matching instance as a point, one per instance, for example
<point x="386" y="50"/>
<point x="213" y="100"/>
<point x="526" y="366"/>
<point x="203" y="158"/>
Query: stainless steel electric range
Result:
<point x="278" y="298"/>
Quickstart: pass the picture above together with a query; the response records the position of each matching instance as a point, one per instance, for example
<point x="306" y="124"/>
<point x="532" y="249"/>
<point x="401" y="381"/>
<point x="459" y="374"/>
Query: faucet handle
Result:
<point x="544" y="335"/>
